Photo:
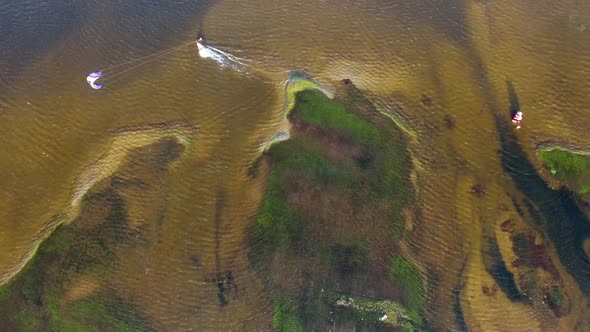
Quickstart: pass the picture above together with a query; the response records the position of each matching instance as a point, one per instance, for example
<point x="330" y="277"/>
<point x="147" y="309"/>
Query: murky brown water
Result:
<point x="430" y="63"/>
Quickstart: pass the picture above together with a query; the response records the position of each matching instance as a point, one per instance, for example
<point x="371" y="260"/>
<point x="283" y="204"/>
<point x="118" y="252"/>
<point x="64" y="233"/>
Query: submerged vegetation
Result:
<point x="57" y="290"/>
<point x="332" y="209"/>
<point x="36" y="298"/>
<point x="568" y="166"/>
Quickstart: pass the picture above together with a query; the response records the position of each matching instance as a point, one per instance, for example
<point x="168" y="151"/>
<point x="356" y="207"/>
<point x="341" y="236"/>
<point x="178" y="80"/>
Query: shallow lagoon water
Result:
<point x="439" y="69"/>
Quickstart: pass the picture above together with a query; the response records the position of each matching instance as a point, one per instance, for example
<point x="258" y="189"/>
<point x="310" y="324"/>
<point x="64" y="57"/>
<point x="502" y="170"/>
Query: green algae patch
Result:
<point x="331" y="212"/>
<point x="99" y="313"/>
<point x="570" y="167"/>
<point x="410" y="278"/>
<point x="285" y="315"/>
<point x="565" y="165"/>
<point x="334" y="116"/>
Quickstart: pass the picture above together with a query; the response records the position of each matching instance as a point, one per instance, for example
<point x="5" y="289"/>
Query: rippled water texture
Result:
<point x="446" y="69"/>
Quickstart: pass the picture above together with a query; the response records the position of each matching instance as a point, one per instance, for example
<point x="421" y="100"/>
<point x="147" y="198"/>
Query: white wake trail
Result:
<point x="224" y="59"/>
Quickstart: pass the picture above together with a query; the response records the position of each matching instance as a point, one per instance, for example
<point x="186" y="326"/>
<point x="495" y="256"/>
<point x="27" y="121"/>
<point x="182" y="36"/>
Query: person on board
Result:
<point x="517" y="118"/>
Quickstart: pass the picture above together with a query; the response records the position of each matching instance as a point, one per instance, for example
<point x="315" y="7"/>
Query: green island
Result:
<point x="320" y="242"/>
<point x="570" y="167"/>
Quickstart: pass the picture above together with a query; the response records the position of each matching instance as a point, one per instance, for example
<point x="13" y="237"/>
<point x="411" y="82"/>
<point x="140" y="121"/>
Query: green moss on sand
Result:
<point x="98" y="313"/>
<point x="568" y="166"/>
<point x="315" y="108"/>
<point x="285" y="315"/>
<point x="409" y="277"/>
<point x="557" y="296"/>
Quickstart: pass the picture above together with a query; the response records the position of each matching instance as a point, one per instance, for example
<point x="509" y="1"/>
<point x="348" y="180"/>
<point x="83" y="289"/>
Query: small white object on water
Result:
<point x="383" y="318"/>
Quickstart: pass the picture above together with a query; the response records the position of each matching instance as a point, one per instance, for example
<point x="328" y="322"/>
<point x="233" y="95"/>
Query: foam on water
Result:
<point x="224" y="59"/>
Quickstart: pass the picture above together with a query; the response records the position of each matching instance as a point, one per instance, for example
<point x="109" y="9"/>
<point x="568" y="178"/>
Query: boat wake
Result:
<point x="224" y="59"/>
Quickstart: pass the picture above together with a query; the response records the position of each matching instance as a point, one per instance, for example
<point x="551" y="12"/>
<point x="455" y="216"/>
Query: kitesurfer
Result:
<point x="201" y="44"/>
<point x="204" y="52"/>
<point x="200" y="38"/>
<point x="517" y="118"/>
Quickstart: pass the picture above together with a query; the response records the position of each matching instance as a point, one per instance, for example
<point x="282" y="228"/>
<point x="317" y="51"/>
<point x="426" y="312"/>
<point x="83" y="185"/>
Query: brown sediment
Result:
<point x="408" y="215"/>
<point x="82" y="287"/>
<point x="478" y="190"/>
<point x="179" y="126"/>
<point x="126" y="139"/>
<point x="508" y="225"/>
<point x="291" y="278"/>
<point x="531" y="253"/>
<point x="426" y="100"/>
<point x="449" y="121"/>
<point x="490" y="290"/>
<point x="332" y="207"/>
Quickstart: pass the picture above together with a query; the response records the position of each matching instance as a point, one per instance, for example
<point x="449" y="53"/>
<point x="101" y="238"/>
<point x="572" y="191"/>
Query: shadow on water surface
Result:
<point x="457" y="309"/>
<point x="504" y="278"/>
<point x="557" y="212"/>
<point x="223" y="280"/>
<point x="219" y="205"/>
